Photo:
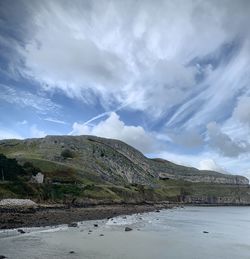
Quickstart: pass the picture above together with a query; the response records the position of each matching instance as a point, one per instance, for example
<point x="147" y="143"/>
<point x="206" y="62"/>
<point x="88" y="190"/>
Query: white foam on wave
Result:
<point x="123" y="220"/>
<point x="31" y="231"/>
<point x="52" y="229"/>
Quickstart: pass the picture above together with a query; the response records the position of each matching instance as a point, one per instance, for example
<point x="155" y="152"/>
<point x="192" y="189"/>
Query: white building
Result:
<point x="38" y="178"/>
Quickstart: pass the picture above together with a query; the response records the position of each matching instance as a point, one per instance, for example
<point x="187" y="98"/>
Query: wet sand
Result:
<point x="188" y="233"/>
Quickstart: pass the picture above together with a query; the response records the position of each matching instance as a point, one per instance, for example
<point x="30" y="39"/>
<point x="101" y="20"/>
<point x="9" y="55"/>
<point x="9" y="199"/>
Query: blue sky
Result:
<point x="171" y="78"/>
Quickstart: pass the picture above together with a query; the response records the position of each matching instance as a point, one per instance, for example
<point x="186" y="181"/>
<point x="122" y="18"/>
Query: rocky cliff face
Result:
<point x="109" y="160"/>
<point x="224" y="200"/>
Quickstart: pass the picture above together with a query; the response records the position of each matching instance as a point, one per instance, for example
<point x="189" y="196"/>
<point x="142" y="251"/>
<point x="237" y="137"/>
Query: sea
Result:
<point x="189" y="232"/>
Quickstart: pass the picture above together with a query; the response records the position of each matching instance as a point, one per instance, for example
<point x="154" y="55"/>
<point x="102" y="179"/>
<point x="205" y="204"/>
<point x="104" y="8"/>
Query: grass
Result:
<point x="83" y="169"/>
<point x="129" y="193"/>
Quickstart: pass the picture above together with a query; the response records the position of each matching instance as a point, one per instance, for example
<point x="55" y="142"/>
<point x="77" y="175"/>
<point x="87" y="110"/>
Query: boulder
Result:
<point x="73" y="225"/>
<point x="17" y="203"/>
<point x="128" y="229"/>
<point x="21" y="231"/>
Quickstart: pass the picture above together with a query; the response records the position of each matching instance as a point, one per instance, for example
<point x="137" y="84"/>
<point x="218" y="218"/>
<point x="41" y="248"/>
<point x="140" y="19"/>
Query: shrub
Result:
<point x="9" y="168"/>
<point x="30" y="169"/>
<point x="66" y="153"/>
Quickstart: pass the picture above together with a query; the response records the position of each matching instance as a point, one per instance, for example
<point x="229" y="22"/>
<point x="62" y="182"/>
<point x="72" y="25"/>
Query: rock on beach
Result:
<point x="8" y="203"/>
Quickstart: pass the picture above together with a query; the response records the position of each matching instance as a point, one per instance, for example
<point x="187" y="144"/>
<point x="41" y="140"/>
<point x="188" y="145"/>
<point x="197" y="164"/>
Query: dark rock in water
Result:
<point x="128" y="229"/>
<point x="72" y="225"/>
<point x="95" y="225"/>
<point x="157" y="211"/>
<point x="72" y="252"/>
<point x="90" y="231"/>
<point x="2" y="257"/>
<point x="205" y="232"/>
<point x="101" y="235"/>
<point x="21" y="231"/>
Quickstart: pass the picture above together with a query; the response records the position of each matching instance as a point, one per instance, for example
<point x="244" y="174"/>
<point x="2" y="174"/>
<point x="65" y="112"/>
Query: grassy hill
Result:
<point x="82" y="169"/>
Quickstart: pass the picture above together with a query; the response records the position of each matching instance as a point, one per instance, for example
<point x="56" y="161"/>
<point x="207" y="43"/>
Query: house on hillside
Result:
<point x="38" y="178"/>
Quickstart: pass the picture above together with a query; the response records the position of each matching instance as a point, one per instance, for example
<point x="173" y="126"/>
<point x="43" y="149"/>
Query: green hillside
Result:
<point x="88" y="169"/>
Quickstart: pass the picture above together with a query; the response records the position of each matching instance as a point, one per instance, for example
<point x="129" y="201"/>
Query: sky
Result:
<point x="170" y="78"/>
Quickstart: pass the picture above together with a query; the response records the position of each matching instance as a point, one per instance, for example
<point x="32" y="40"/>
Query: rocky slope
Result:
<point x="106" y="160"/>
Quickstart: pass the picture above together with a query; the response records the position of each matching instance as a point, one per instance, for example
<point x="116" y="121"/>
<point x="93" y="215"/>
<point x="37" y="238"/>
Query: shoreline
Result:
<point x="58" y="214"/>
<point x="46" y="216"/>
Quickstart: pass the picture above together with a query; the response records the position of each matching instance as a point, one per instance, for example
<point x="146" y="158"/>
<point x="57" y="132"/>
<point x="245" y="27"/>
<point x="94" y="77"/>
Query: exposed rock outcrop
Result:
<point x="9" y="203"/>
<point x="215" y="200"/>
<point x="109" y="160"/>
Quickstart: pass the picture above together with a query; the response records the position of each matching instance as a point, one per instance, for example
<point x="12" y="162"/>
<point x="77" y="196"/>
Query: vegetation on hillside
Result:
<point x="78" y="170"/>
<point x="10" y="169"/>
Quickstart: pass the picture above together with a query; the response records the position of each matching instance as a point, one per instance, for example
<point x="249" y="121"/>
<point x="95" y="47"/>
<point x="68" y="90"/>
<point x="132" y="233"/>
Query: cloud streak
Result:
<point x="23" y="98"/>
<point x="141" y="55"/>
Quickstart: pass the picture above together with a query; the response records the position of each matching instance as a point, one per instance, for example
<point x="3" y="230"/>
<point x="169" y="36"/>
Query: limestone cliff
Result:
<point x="107" y="160"/>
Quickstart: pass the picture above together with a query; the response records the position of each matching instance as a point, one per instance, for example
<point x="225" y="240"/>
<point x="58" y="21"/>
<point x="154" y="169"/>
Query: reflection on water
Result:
<point x="176" y="233"/>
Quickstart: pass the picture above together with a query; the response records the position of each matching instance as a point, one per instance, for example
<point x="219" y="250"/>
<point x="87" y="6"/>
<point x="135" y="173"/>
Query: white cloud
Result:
<point x="223" y="143"/>
<point x="242" y="110"/>
<point x="36" y="133"/>
<point x="247" y="174"/>
<point x="125" y="52"/>
<point x="180" y="159"/>
<point x="24" y="98"/>
<point x="7" y="134"/>
<point x="114" y="128"/>
<point x="24" y="122"/>
<point x="163" y="85"/>
<point x="190" y="138"/>
<point x="210" y="164"/>
<point x="209" y="160"/>
<point x="55" y="121"/>
<point x="215" y="97"/>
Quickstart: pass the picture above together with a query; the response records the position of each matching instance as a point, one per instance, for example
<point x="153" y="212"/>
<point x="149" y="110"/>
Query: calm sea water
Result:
<point x="176" y="233"/>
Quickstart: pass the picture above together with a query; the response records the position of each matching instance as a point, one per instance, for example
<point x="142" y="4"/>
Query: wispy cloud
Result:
<point x="24" y="98"/>
<point x="224" y="144"/>
<point x="24" y="122"/>
<point x="55" y="121"/>
<point x="144" y="56"/>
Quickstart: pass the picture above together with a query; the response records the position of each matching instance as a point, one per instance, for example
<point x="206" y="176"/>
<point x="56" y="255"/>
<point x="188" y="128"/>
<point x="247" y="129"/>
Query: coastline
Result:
<point x="199" y="232"/>
<point x="57" y="215"/>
